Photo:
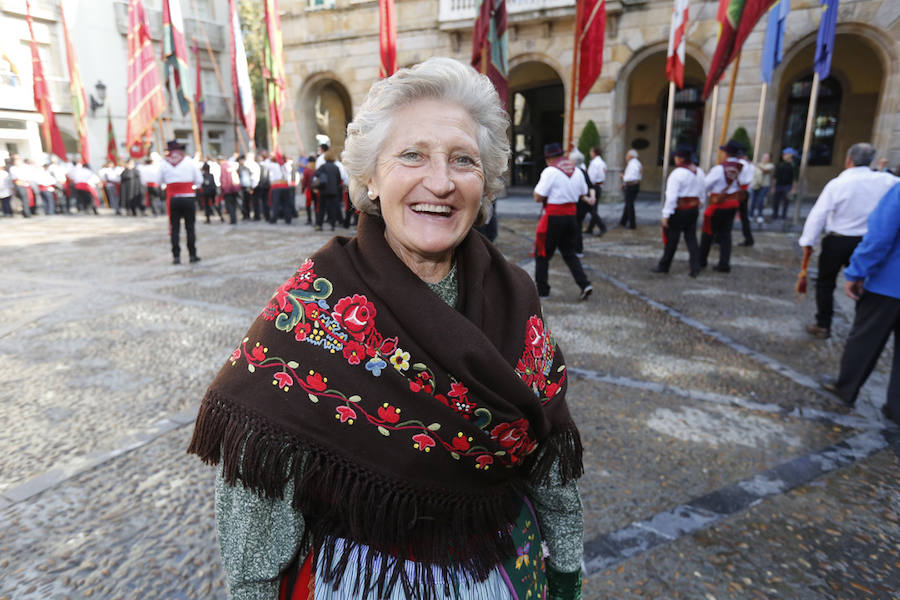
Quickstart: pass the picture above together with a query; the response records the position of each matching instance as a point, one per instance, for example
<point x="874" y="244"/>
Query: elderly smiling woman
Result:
<point x="394" y="423"/>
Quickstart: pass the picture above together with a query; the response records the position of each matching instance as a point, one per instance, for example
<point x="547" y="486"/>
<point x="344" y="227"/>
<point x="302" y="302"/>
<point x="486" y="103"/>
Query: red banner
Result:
<point x="175" y="52"/>
<point x="240" y="74"/>
<point x="737" y="18"/>
<point x="273" y="70"/>
<point x="675" y="54"/>
<point x="590" y="51"/>
<point x="387" y="38"/>
<point x="112" y="151"/>
<point x="489" y="50"/>
<point x="145" y="97"/>
<point x="53" y="142"/>
<point x="76" y="88"/>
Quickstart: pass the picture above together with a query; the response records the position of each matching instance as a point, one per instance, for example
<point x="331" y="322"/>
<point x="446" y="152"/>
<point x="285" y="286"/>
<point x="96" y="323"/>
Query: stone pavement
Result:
<point x="715" y="468"/>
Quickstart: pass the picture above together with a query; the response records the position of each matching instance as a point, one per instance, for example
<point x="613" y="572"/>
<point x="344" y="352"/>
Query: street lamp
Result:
<point x="100" y="89"/>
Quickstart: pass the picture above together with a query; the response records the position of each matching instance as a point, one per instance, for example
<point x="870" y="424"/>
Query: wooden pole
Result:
<point x="723" y="137"/>
<point x="807" y="141"/>
<point x="667" y="146"/>
<point x="759" y="119"/>
<point x="579" y="8"/>
<point x="711" y="136"/>
<point x="198" y="143"/>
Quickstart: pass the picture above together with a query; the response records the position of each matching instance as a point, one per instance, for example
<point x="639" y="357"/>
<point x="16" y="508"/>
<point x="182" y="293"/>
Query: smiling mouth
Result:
<point x="440" y="210"/>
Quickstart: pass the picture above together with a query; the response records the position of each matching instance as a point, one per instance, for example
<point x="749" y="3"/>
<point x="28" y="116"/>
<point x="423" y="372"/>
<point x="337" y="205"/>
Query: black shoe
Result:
<point x="887" y="415"/>
<point x="829" y="384"/>
<point x="722" y="269"/>
<point x="658" y="269"/>
<point x="176" y="261"/>
<point x="195" y="259"/>
<point x="817" y="331"/>
<point x="746" y="244"/>
<point x="586" y="292"/>
<point x="694" y="273"/>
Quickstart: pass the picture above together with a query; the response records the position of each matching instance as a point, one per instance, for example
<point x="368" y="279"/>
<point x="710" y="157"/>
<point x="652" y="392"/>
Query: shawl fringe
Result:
<point x="562" y="445"/>
<point x="341" y="501"/>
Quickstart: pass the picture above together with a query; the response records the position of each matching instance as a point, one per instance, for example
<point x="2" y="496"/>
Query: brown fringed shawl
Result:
<point x="404" y="424"/>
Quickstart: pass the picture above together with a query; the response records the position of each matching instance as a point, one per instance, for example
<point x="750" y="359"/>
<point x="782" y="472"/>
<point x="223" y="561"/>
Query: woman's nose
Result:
<point x="439" y="180"/>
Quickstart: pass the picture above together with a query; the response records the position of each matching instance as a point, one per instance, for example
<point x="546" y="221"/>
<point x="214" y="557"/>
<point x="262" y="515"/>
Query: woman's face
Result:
<point x="430" y="181"/>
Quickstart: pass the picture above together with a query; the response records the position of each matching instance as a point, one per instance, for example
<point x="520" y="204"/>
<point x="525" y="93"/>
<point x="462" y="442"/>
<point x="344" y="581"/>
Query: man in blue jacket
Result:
<point x="873" y="280"/>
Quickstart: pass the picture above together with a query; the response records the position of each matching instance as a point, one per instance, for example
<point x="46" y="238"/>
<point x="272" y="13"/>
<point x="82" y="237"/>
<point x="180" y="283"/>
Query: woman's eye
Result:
<point x="464" y="160"/>
<point x="410" y="155"/>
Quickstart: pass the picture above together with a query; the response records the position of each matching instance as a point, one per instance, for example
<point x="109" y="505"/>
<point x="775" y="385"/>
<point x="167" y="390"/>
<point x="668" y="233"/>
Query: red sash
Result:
<point x="718" y="202"/>
<point x="179" y="188"/>
<point x="550" y="210"/>
<point x="86" y="187"/>
<point x="152" y="184"/>
<point x="561" y="210"/>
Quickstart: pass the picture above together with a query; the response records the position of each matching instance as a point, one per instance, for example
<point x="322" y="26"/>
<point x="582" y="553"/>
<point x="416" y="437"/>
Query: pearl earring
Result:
<point x="371" y="194"/>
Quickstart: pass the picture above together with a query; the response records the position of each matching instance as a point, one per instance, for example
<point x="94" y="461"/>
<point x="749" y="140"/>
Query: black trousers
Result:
<point x="877" y="316"/>
<point x="282" y="204"/>
<point x="781" y="201"/>
<point x="595" y="220"/>
<point x="330" y="204"/>
<point x="561" y="233"/>
<point x="209" y="206"/>
<point x="836" y="253"/>
<point x="682" y="222"/>
<point x="631" y="192"/>
<point x="745" y="223"/>
<point x="720" y="223"/>
<point x="246" y="202"/>
<point x="231" y="206"/>
<point x="182" y="207"/>
<point x="261" y="203"/>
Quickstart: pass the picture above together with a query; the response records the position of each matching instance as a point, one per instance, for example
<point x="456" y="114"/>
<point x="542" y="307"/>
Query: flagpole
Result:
<point x="807" y="141"/>
<point x="197" y="141"/>
<point x="707" y="155"/>
<point x="667" y="146"/>
<point x="759" y="118"/>
<point x="579" y="7"/>
<point x="723" y="137"/>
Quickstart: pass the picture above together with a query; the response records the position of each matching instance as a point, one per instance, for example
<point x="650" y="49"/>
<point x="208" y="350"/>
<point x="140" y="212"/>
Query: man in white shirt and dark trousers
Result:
<point x="685" y="191"/>
<point x="181" y="176"/>
<point x="841" y="211"/>
<point x="631" y="185"/>
<point x="726" y="183"/>
<point x="597" y="174"/>
<point x="559" y="188"/>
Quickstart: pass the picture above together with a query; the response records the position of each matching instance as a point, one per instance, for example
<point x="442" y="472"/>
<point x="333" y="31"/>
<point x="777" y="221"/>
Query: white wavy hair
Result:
<point x="438" y="79"/>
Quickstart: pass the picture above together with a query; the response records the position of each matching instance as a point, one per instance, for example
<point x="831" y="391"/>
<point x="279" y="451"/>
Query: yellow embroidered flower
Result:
<point x="400" y="359"/>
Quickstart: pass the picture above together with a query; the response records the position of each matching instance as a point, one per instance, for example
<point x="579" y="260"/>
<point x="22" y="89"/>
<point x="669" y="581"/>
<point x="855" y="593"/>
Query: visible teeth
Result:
<point x="432" y="208"/>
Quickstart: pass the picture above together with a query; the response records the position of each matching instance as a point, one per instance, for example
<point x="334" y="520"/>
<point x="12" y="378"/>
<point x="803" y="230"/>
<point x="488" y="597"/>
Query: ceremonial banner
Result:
<point x="53" y="142"/>
<point x="825" y="38"/>
<point x="240" y="74"/>
<point x="387" y="38"/>
<point x="590" y="51"/>
<point x="273" y="70"/>
<point x="76" y="88"/>
<point x="199" y="102"/>
<point x="489" y="51"/>
<point x="675" y="53"/>
<point x="736" y="20"/>
<point x="175" y="52"/>
<point x="112" y="152"/>
<point x="145" y="97"/>
<point x="773" y="47"/>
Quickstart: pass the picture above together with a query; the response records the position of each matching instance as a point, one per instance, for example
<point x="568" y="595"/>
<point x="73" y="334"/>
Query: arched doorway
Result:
<point x="645" y="117"/>
<point x="326" y="109"/>
<point x="537" y="108"/>
<point x="847" y="104"/>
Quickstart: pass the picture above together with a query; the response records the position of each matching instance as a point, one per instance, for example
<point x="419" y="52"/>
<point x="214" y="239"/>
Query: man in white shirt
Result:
<point x="631" y="185"/>
<point x="6" y="191"/>
<point x="85" y="182"/>
<point x="841" y="212"/>
<point x="726" y="183"/>
<point x="559" y="188"/>
<point x="19" y="172"/>
<point x="597" y="174"/>
<point x="181" y="176"/>
<point x="744" y="198"/>
<point x="111" y="176"/>
<point x="149" y="173"/>
<point x="685" y="192"/>
<point x="282" y="199"/>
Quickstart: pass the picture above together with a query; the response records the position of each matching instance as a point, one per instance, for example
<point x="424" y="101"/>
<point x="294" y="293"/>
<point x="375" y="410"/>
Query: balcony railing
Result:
<point x="194" y="28"/>
<point x="466" y="10"/>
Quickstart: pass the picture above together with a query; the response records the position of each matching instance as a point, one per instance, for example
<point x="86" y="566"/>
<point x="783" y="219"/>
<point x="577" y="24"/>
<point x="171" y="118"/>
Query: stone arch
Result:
<point x="325" y="107"/>
<point x="536" y="106"/>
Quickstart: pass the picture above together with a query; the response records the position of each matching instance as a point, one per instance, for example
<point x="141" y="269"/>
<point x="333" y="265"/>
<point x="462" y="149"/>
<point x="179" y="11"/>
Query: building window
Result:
<point x="316" y="4"/>
<point x="687" y="120"/>
<point x="214" y="145"/>
<point x="828" y="106"/>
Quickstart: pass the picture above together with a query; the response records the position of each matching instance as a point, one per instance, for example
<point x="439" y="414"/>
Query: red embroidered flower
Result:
<point x="462" y="406"/>
<point x="458" y="389"/>
<point x="373" y="343"/>
<point x="346" y="414"/>
<point x="415" y="386"/>
<point x="461" y="442"/>
<point x="301" y="331"/>
<point x="442" y="399"/>
<point x="389" y="345"/>
<point x="551" y="389"/>
<point x="284" y="379"/>
<point x="526" y="369"/>
<point x="388" y="413"/>
<point x="423" y="442"/>
<point x="484" y="461"/>
<point x="355" y="314"/>
<point x="282" y="295"/>
<point x="257" y="353"/>
<point x="513" y="437"/>
<point x="316" y="381"/>
<point x="534" y="336"/>
<point x="236" y="354"/>
<point x="354" y="352"/>
<point x="305" y="275"/>
<point x="312" y="310"/>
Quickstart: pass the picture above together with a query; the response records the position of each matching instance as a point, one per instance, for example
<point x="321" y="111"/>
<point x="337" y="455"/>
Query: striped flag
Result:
<point x="273" y="70"/>
<point x="590" y="51"/>
<point x="489" y="50"/>
<point x="825" y="38"/>
<point x="76" y="88"/>
<point x="145" y="97"/>
<point x="773" y="47"/>
<point x="736" y="20"/>
<point x="112" y="152"/>
<point x="240" y="74"/>
<point x="675" y="53"/>
<point x="52" y="137"/>
<point x="387" y="38"/>
<point x="175" y="53"/>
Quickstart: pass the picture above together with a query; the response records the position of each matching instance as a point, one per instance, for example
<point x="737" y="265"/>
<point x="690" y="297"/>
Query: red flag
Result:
<point x="736" y="18"/>
<point x="112" y="152"/>
<point x="199" y="101"/>
<point x="145" y="97"/>
<point x="273" y="70"/>
<point x="76" y="88"/>
<point x="675" y="54"/>
<point x="590" y="41"/>
<point x="52" y="137"/>
<point x="175" y="52"/>
<point x="489" y="50"/>
<point x="240" y="74"/>
<point x="387" y="38"/>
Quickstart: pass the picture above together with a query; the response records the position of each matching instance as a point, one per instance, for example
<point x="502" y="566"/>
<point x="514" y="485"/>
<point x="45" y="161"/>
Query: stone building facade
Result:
<point x="331" y="53"/>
